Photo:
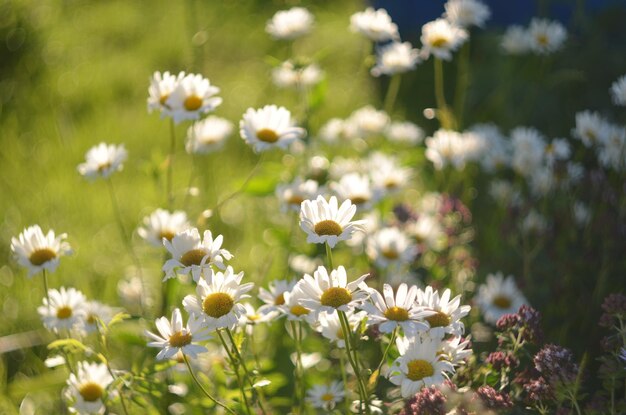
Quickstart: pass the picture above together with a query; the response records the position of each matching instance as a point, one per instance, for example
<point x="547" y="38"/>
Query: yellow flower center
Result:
<point x="397" y="314"/>
<point x="91" y="318"/>
<point x="253" y="317"/>
<point x="280" y="299"/>
<point x="192" y="103"/>
<point x="336" y="297"/>
<point x="180" y="339"/>
<point x="327" y="397"/>
<point x="419" y="369"/>
<point x="104" y="166"/>
<point x="217" y="305"/>
<point x="298" y="310"/>
<point x="64" y="312"/>
<point x="339" y="334"/>
<point x="193" y="257"/>
<point x="359" y="200"/>
<point x="591" y="134"/>
<point x="328" y="227"/>
<point x="91" y="391"/>
<point x="167" y="234"/>
<point x="390" y="254"/>
<point x="542" y="39"/>
<point x="439" y="42"/>
<point x="391" y="184"/>
<point x="439" y="319"/>
<point x="295" y="200"/>
<point x="266" y="135"/>
<point x="163" y="99"/>
<point x="41" y="256"/>
<point x="501" y="301"/>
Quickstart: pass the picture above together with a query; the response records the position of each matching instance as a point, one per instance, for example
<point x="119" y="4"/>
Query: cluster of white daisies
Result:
<point x="542" y="37"/>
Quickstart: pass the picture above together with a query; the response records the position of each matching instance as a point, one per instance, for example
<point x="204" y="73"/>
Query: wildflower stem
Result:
<point x="215" y="401"/>
<point x="170" y="166"/>
<point x="45" y="287"/>
<point x="102" y="330"/>
<point x="235" y="367"/>
<point x="392" y="93"/>
<point x="299" y="381"/>
<point x="352" y="358"/>
<point x="329" y="255"/>
<point x="382" y="360"/>
<point x="344" y="378"/>
<point x="443" y="112"/>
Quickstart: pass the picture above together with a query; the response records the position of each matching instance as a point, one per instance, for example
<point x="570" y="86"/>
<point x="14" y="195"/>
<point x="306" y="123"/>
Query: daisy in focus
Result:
<point x="395" y="58"/>
<point x="193" y="96"/>
<point x="161" y="87"/>
<point x="376" y="25"/>
<point x="174" y="337"/>
<point x="217" y="298"/>
<point x="326" y="222"/>
<point x="208" y="135"/>
<point x="87" y="388"/>
<point x="269" y="127"/>
<point x="499" y="296"/>
<point x="37" y="252"/>
<point x="163" y="224"/>
<point x="330" y="292"/>
<point x="419" y="365"/>
<point x="290" y="24"/>
<point x="63" y="309"/>
<point x="326" y="396"/>
<point x="103" y="160"/>
<point x="401" y="310"/>
<point x="448" y="312"/>
<point x="191" y="254"/>
<point x="440" y="38"/>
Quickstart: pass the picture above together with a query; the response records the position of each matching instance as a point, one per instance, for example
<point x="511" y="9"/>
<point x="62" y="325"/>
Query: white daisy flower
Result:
<point x="534" y="222"/>
<point x="446" y="148"/>
<point x="515" y="40"/>
<point x="95" y="312"/>
<point x="376" y="25"/>
<point x="218" y="296"/>
<point x="291" y="195"/>
<point x="618" y="91"/>
<point x="454" y="350"/>
<point x="208" y="135"/>
<point x="440" y="38"/>
<point x="274" y="296"/>
<point x="290" y="75"/>
<point x="190" y="254"/>
<point x="324" y="292"/>
<point x="269" y="127"/>
<point x="495" y="149"/>
<point x="591" y="128"/>
<point x="330" y="326"/>
<point x="87" y="388"/>
<point x="581" y="213"/>
<point x="546" y="36"/>
<point x="612" y="154"/>
<point x="390" y="247"/>
<point x="36" y="251"/>
<point x="427" y="232"/>
<point x="356" y="188"/>
<point x="541" y="181"/>
<point x="163" y="224"/>
<point x="294" y="310"/>
<point x="290" y="24"/>
<point x="504" y="193"/>
<point x="369" y="121"/>
<point x="175" y="337"/>
<point x="131" y="292"/>
<point x="343" y="166"/>
<point x="499" y="296"/>
<point x="65" y="311"/>
<point x="386" y="175"/>
<point x="338" y="130"/>
<point x="253" y="316"/>
<point x="404" y="132"/>
<point x="194" y="95"/>
<point x="466" y="13"/>
<point x="448" y="313"/>
<point x="161" y="87"/>
<point x="528" y="150"/>
<point x="103" y="160"/>
<point x="557" y="150"/>
<point x="326" y="396"/>
<point x="391" y="312"/>
<point x="303" y="264"/>
<point x="419" y="365"/>
<point x="395" y="58"/>
<point x="326" y="222"/>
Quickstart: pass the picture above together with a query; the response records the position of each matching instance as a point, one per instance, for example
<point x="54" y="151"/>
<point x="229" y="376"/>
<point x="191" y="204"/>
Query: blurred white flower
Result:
<point x="618" y="91"/>
<point x="269" y="127"/>
<point x="376" y="25"/>
<point x="446" y="148"/>
<point x="290" y="24"/>
<point x="557" y="150"/>
<point x="546" y="36"/>
<point x="591" y="128"/>
<point x="326" y="396"/>
<point x="504" y="193"/>
<point x="274" y="296"/>
<point x="369" y="121"/>
<point x="163" y="224"/>
<point x="390" y="247"/>
<point x="337" y="130"/>
<point x="395" y="58"/>
<point x="161" y="87"/>
<point x="581" y="213"/>
<point x="427" y="232"/>
<point x="495" y="149"/>
<point x="103" y="160"/>
<point x="499" y="296"/>
<point x="96" y="313"/>
<point x="87" y="388"/>
<point x="208" y="135"/>
<point x="404" y="132"/>
<point x="37" y="252"/>
<point x="193" y="96"/>
<point x="515" y="40"/>
<point x="440" y="38"/>
<point x="528" y="150"/>
<point x="466" y="13"/>
<point x="291" y="195"/>
<point x="534" y="222"/>
<point x="358" y="189"/>
<point x="612" y="153"/>
<point x="290" y="75"/>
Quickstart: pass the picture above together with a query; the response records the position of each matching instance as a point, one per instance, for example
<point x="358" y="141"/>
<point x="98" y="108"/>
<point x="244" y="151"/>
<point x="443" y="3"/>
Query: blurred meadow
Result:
<point x="75" y="73"/>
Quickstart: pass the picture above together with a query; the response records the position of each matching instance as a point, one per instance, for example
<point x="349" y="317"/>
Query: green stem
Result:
<point x="443" y="112"/>
<point x="235" y="367"/>
<point x="329" y="256"/>
<point x="344" y="378"/>
<point x="392" y="93"/>
<point x="347" y="336"/>
<point x="45" y="287"/>
<point x="170" y="166"/>
<point x="298" y="372"/>
<point x="215" y="401"/>
<point x="382" y="361"/>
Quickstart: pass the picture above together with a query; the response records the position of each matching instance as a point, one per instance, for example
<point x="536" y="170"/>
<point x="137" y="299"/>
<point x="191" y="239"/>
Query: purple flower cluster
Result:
<point x="556" y="364"/>
<point x="499" y="360"/>
<point x="538" y="390"/>
<point x="614" y="305"/>
<point x="428" y="401"/>
<point x="527" y="319"/>
<point x="493" y="399"/>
